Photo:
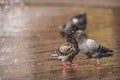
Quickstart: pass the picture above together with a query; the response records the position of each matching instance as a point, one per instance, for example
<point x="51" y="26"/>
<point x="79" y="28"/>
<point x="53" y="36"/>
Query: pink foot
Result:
<point x="98" y="66"/>
<point x="74" y="65"/>
<point x="65" y="66"/>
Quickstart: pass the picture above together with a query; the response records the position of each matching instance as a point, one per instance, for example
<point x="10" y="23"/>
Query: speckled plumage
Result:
<point x="67" y="51"/>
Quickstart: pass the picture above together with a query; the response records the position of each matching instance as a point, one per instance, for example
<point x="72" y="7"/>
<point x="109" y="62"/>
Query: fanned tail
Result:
<point x="54" y="55"/>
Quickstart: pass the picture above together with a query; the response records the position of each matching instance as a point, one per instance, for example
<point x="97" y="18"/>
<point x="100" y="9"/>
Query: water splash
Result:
<point x="14" y="16"/>
<point x="13" y="19"/>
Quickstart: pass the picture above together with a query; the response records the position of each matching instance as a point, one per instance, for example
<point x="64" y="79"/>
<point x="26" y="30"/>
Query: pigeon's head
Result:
<point x="77" y="22"/>
<point x="80" y="35"/>
<point x="68" y="29"/>
<point x="80" y="21"/>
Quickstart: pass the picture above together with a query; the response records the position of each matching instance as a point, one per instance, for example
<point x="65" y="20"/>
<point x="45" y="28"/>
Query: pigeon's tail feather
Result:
<point x="54" y="56"/>
<point x="107" y="55"/>
<point x="104" y="49"/>
<point x="110" y="50"/>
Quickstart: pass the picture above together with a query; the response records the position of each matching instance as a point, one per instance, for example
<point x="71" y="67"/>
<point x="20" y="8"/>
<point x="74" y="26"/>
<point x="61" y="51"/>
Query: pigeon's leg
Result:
<point x="73" y="64"/>
<point x="98" y="64"/>
<point x="65" y="66"/>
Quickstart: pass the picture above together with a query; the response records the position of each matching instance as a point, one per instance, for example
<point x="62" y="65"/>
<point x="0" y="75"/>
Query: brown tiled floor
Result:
<point x="30" y="33"/>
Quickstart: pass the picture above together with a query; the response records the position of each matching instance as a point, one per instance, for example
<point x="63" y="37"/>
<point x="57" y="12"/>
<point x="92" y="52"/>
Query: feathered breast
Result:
<point x="65" y="49"/>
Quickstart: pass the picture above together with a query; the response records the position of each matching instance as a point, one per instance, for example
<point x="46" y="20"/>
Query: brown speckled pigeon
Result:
<point x="66" y="52"/>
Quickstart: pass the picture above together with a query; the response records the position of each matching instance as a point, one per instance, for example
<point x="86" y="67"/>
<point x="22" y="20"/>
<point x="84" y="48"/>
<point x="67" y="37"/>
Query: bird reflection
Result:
<point x="69" y="74"/>
<point x="99" y="74"/>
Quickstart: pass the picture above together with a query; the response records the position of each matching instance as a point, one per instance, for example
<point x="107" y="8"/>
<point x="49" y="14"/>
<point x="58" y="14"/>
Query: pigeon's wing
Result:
<point x="62" y="51"/>
<point x="96" y="47"/>
<point x="66" y="49"/>
<point x="92" y="45"/>
<point x="68" y="27"/>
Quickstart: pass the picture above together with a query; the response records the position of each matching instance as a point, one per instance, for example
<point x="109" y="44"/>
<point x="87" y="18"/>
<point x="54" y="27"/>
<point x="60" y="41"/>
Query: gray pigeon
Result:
<point x="91" y="48"/>
<point x="77" y="22"/>
<point x="66" y="52"/>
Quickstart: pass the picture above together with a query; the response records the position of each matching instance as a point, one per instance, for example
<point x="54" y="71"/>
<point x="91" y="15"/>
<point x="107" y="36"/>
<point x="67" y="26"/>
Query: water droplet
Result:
<point x="15" y="61"/>
<point x="2" y="58"/>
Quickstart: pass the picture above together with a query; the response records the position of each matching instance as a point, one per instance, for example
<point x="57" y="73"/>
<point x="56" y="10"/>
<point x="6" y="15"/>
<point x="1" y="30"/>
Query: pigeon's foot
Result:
<point x="98" y="64"/>
<point x="65" y="66"/>
<point x="74" y="65"/>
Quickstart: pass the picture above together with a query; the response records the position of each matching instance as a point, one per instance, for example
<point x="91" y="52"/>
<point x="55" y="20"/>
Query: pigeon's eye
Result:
<point x="77" y="33"/>
<point x="72" y="31"/>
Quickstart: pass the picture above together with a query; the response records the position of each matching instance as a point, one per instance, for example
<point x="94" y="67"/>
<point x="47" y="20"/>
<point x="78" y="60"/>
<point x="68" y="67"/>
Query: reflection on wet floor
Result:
<point x="30" y="33"/>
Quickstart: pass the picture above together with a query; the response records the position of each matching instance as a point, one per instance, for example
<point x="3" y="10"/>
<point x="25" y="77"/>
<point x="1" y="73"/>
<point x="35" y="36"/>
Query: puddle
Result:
<point x="29" y="33"/>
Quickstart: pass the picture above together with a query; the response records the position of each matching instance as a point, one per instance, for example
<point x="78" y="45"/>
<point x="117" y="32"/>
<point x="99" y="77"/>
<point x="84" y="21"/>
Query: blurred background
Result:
<point x="29" y="33"/>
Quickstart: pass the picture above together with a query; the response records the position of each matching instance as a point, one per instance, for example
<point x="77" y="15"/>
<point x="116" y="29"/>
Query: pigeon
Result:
<point x="77" y="22"/>
<point x="66" y="52"/>
<point x="91" y="48"/>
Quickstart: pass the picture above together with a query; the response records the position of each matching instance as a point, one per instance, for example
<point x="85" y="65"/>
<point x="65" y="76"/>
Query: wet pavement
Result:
<point x="28" y="35"/>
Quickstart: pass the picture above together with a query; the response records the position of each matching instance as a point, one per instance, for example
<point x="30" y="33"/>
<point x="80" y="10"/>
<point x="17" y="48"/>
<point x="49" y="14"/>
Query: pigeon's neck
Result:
<point x="82" y="40"/>
<point x="71" y="39"/>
